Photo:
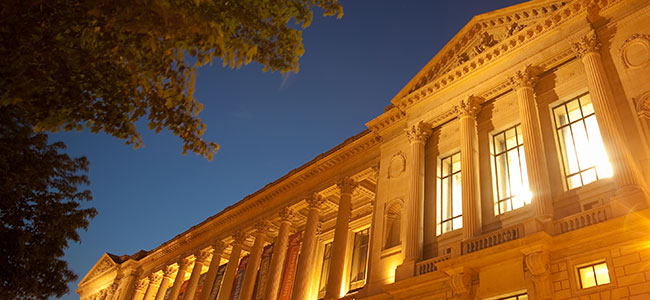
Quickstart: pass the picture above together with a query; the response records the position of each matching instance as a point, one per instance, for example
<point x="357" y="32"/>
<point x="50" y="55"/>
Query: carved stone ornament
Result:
<point x="523" y="78"/>
<point x="239" y="237"/>
<point x="635" y="51"/>
<point x="155" y="278"/>
<point x="643" y="106"/>
<point x="183" y="263"/>
<point x="469" y="107"/>
<point x="141" y="286"/>
<point x="203" y="255"/>
<point x="461" y="285"/>
<point x="315" y="200"/>
<point x="347" y="185"/>
<point x="588" y="43"/>
<point x="262" y="226"/>
<point x="539" y="266"/>
<point x="418" y="132"/>
<point x="286" y="214"/>
<point x="218" y="246"/>
<point x="397" y="165"/>
<point x="169" y="271"/>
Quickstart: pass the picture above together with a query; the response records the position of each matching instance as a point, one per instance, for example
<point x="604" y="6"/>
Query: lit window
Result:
<point x="325" y="269"/>
<point x="509" y="171"/>
<point x="593" y="275"/>
<point x="515" y="297"/>
<point x="359" y="259"/>
<point x="583" y="153"/>
<point x="449" y="212"/>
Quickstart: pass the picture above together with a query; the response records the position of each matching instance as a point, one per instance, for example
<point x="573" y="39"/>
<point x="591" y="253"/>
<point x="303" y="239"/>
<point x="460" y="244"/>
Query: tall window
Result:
<point x="583" y="154"/>
<point x="449" y="212"/>
<point x="325" y="269"/>
<point x="509" y="171"/>
<point x="359" y="259"/>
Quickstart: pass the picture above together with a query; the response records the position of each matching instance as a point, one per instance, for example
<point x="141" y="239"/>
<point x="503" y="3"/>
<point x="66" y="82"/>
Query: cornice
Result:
<point x="517" y="40"/>
<point x="350" y="148"/>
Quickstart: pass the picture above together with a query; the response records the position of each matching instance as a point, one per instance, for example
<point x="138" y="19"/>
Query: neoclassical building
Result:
<point x="515" y="165"/>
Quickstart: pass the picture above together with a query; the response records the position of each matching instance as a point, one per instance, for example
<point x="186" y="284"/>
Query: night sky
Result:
<point x="266" y="124"/>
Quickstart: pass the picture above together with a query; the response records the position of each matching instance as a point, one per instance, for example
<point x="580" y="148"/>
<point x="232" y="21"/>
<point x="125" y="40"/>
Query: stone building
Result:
<point x="514" y="165"/>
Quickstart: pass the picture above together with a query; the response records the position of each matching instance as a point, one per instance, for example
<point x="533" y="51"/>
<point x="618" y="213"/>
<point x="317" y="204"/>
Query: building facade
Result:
<point x="514" y="165"/>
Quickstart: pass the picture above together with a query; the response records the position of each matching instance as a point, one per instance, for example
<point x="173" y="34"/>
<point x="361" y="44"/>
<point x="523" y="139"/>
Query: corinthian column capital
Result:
<point x="169" y="271"/>
<point x="286" y="214"/>
<point x="203" y="255"/>
<point x="524" y="78"/>
<point x="142" y="285"/>
<point x="587" y="43"/>
<point x="238" y="238"/>
<point x="469" y="107"/>
<point x="315" y="200"/>
<point x="218" y="246"/>
<point x="418" y="132"/>
<point x="347" y="185"/>
<point x="261" y="226"/>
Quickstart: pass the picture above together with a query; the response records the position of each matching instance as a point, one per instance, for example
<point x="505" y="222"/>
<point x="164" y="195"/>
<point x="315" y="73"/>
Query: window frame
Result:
<point x="592" y="265"/>
<point x="358" y="284"/>
<point x="440" y="223"/>
<point x="563" y="152"/>
<point x="523" y="174"/>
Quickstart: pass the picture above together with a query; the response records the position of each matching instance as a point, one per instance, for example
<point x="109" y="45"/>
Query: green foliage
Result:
<point x="106" y="64"/>
<point x="39" y="210"/>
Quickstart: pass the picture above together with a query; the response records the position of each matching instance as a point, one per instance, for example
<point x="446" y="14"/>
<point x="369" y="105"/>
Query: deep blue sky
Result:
<point x="266" y="124"/>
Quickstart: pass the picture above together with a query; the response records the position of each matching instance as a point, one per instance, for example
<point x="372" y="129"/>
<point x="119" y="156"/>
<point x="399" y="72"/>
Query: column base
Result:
<point x="628" y="199"/>
<point x="405" y="270"/>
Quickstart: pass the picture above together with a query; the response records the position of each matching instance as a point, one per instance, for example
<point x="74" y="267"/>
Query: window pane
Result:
<point x="589" y="176"/>
<point x="574" y="181"/>
<point x="445" y="166"/>
<point x="597" y="149"/>
<point x="587" y="106"/>
<point x="458" y="223"/>
<point x="456" y="162"/>
<point x="582" y="145"/>
<point x="573" y="107"/>
<point x="570" y="159"/>
<point x="457" y="199"/>
<point x="446" y="195"/>
<point x="602" y="275"/>
<point x="515" y="172"/>
<point x="587" y="278"/>
<point x="560" y="116"/>
<point x="499" y="143"/>
<point x="502" y="177"/>
<point x="511" y="140"/>
<point x="520" y="137"/>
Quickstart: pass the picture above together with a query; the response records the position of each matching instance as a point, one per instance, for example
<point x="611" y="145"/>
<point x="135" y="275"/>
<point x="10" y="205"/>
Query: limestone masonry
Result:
<point x="515" y="165"/>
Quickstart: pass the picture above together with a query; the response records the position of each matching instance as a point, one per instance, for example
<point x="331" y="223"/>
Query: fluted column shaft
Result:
<point x="417" y="136"/>
<point x="217" y="250"/>
<point x="626" y="174"/>
<point x="140" y="288"/>
<point x="178" y="280"/>
<point x="340" y="243"/>
<point x="278" y="257"/>
<point x="538" y="180"/>
<point x="168" y="276"/>
<point x="231" y="269"/>
<point x="304" y="269"/>
<point x="127" y="293"/>
<point x="468" y="110"/>
<point x="254" y="261"/>
<point x="154" y="284"/>
<point x="192" y="284"/>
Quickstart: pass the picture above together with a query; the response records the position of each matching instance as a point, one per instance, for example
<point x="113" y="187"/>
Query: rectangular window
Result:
<point x="449" y="212"/>
<point x="593" y="275"/>
<point x="516" y="297"/>
<point x="325" y="269"/>
<point x="359" y="259"/>
<point x="509" y="172"/>
<point x="583" y="154"/>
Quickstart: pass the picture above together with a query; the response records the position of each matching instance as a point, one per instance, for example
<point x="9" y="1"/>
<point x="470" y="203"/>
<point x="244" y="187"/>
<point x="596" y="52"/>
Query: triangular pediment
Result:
<point x="105" y="263"/>
<point x="481" y="33"/>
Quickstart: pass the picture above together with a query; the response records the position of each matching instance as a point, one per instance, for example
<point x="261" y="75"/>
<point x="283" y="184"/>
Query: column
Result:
<point x="417" y="136"/>
<point x="302" y="284"/>
<point x="467" y="112"/>
<point x="217" y="250"/>
<point x="250" y="276"/>
<point x="154" y="284"/>
<point x="340" y="244"/>
<point x="231" y="269"/>
<point x="140" y="288"/>
<point x="183" y="263"/>
<point x="626" y="175"/>
<point x="168" y="276"/>
<point x="129" y="285"/>
<point x="200" y="259"/>
<point x="279" y="254"/>
<point x="538" y="180"/>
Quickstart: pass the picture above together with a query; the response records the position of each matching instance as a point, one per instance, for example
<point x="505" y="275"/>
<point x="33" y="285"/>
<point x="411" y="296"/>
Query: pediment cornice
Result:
<point x="103" y="265"/>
